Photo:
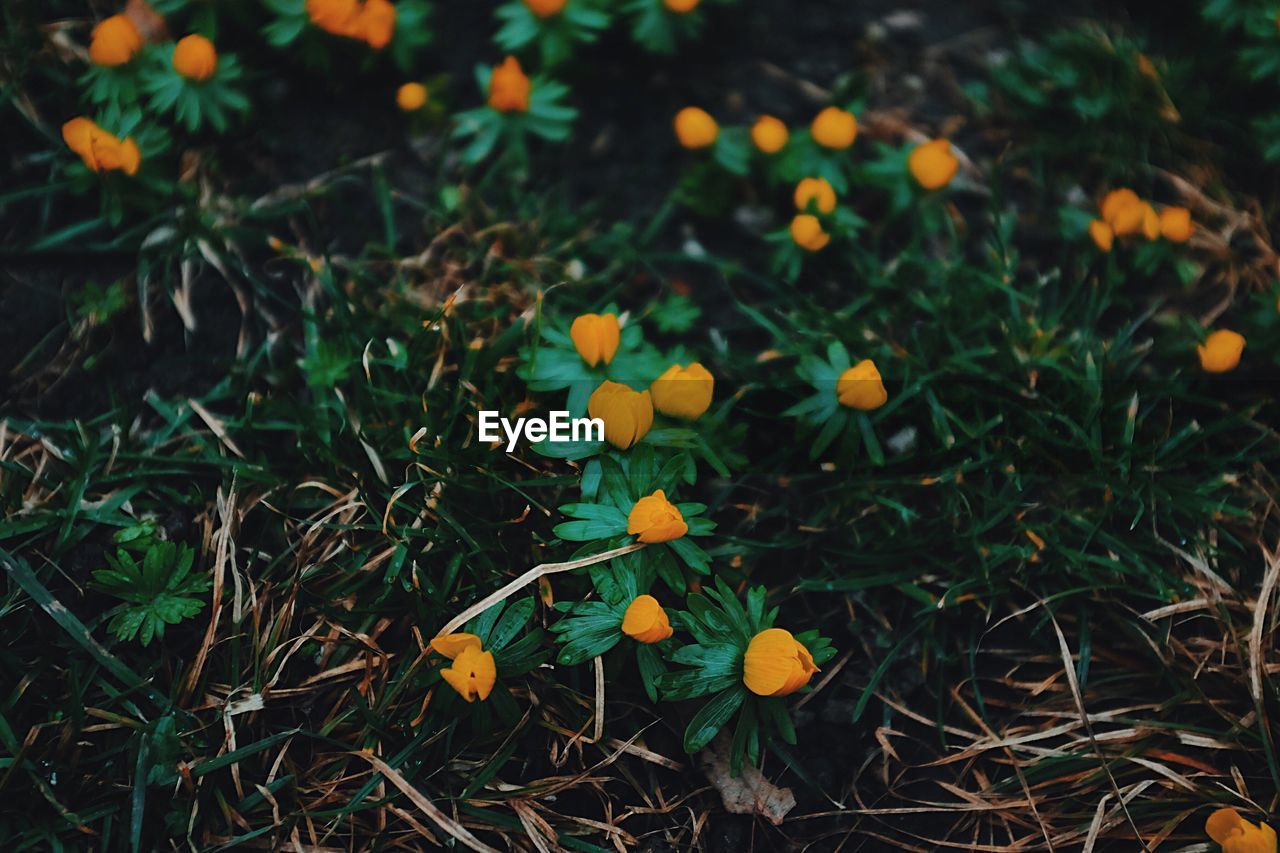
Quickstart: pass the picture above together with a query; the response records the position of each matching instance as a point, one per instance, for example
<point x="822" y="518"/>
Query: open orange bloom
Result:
<point x="545" y="8"/>
<point x="473" y="672"/>
<point x="645" y="621"/>
<point x="932" y="164"/>
<point x="114" y="42"/>
<point x="655" y="519"/>
<point x="807" y="233"/>
<point x="816" y="190"/>
<point x="1237" y="835"/>
<point x="834" y="128"/>
<point x="861" y="388"/>
<point x="776" y="664"/>
<point x="683" y="392"/>
<point x="627" y="414"/>
<point x="695" y="128"/>
<point x="369" y="21"/>
<point x="1123" y="211"/>
<point x="596" y="337"/>
<point x="1221" y="351"/>
<point x="195" y="58"/>
<point x="101" y="151"/>
<point x="1102" y="235"/>
<point x="769" y="134"/>
<point x="1175" y="224"/>
<point x="509" y="87"/>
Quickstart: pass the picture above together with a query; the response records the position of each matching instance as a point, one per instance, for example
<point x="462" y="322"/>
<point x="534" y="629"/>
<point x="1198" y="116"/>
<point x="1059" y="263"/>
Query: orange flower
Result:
<point x="115" y="41"/>
<point x="834" y="128"/>
<point x="1221" y="351"/>
<point x="818" y="191"/>
<point x="627" y="414"/>
<point x="1103" y="236"/>
<point x="655" y="519"/>
<point x="101" y="151"/>
<point x="509" y="87"/>
<point x="683" y="392"/>
<point x="596" y="337"/>
<point x="695" y="128"/>
<point x="1150" y="222"/>
<point x="545" y="8"/>
<point x="1237" y="835"/>
<point x="370" y="21"/>
<point x="195" y="58"/>
<point x="1123" y="211"/>
<point x="932" y="164"/>
<point x="776" y="664"/>
<point x="473" y="672"/>
<point x="645" y="621"/>
<point x="769" y="134"/>
<point x="334" y="16"/>
<point x="411" y="97"/>
<point x="681" y="7"/>
<point x="1175" y="224"/>
<point x="376" y="23"/>
<point x="807" y="232"/>
<point x="860" y="387"/>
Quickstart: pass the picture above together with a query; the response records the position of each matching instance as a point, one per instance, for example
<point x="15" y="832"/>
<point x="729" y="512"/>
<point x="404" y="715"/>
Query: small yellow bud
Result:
<point x="860" y="387"/>
<point x="834" y="128"/>
<point x="695" y="128"/>
<point x="769" y="134"/>
<point x="1221" y="351"/>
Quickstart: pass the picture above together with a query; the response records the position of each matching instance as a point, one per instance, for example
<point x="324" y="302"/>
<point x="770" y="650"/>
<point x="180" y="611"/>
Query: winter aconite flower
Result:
<point x="807" y="232"/>
<point x="681" y="7"/>
<point x="834" y="128"/>
<point x="195" y="58"/>
<point x="1123" y="211"/>
<point x="1221" y="351"/>
<point x="545" y="8"/>
<point x="655" y="519"/>
<point x="627" y="414"/>
<point x="776" y="664"/>
<point x="1175" y="224"/>
<point x="370" y="21"/>
<point x="645" y="621"/>
<point x="114" y="42"/>
<point x="509" y="87"/>
<point x="932" y="164"/>
<point x="818" y="191"/>
<point x="1237" y="835"/>
<point x="860" y="387"/>
<point x="1150" y="222"/>
<point x="695" y="128"/>
<point x="411" y="97"/>
<point x="1102" y="235"/>
<point x="683" y="392"/>
<point x="473" y="671"/>
<point x="101" y="151"/>
<point x="769" y="134"/>
<point x="595" y="337"/>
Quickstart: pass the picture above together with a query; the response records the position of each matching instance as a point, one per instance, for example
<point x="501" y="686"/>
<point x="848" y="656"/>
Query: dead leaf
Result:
<point x="150" y="23"/>
<point x="748" y="793"/>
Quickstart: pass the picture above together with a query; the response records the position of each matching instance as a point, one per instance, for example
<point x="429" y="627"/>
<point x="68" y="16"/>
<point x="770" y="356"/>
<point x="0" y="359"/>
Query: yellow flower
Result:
<point x="509" y="87"/>
<point x="627" y="414"/>
<point x="769" y="134"/>
<point x="195" y="58"/>
<point x="370" y="21"/>
<point x="834" y="128"/>
<point x="1175" y="224"/>
<point x="1221" y="351"/>
<point x="1237" y="835"/>
<point x="334" y="16"/>
<point x="683" y="392"/>
<point x="776" y="664"/>
<point x="695" y="128"/>
<point x="681" y="7"/>
<point x="1123" y="211"/>
<point x="655" y="519"/>
<point x="816" y="190"/>
<point x="545" y="8"/>
<point x="932" y="164"/>
<point x="101" y="151"/>
<point x="473" y="671"/>
<point x="1150" y="222"/>
<point x="595" y="337"/>
<point x="861" y="388"/>
<point x="807" y="232"/>
<point x="411" y="97"/>
<point x="645" y="621"/>
<point x="1103" y="236"/>
<point x="376" y="23"/>
<point x="115" y="40"/>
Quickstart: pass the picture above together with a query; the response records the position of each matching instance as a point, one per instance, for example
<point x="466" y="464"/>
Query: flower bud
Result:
<point x="645" y="621"/>
<point x="776" y="664"/>
<point x="834" y="128"/>
<point x="933" y="164"/>
<point x="411" y="97"/>
<point x="473" y="672"/>
<point x="545" y="8"/>
<point x="807" y="232"/>
<point x="769" y="134"/>
<point x="861" y="388"/>
<point x="596" y="337"/>
<point x="818" y="191"/>
<point x="681" y="7"/>
<point x="655" y="519"/>
<point x="1123" y="211"/>
<point x="683" y="392"/>
<point x="1221" y="351"/>
<point x="509" y="87"/>
<point x="627" y="414"/>
<point x="1176" y="225"/>
<point x="115" y="41"/>
<point x="695" y="128"/>
<point x="195" y="58"/>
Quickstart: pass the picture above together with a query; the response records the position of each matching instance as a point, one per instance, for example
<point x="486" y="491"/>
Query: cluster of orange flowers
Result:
<point x="370" y="21"/>
<point x="1123" y="214"/>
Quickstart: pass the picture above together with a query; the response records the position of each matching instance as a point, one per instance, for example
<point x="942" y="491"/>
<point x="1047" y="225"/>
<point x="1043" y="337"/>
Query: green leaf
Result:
<point x="711" y="717"/>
